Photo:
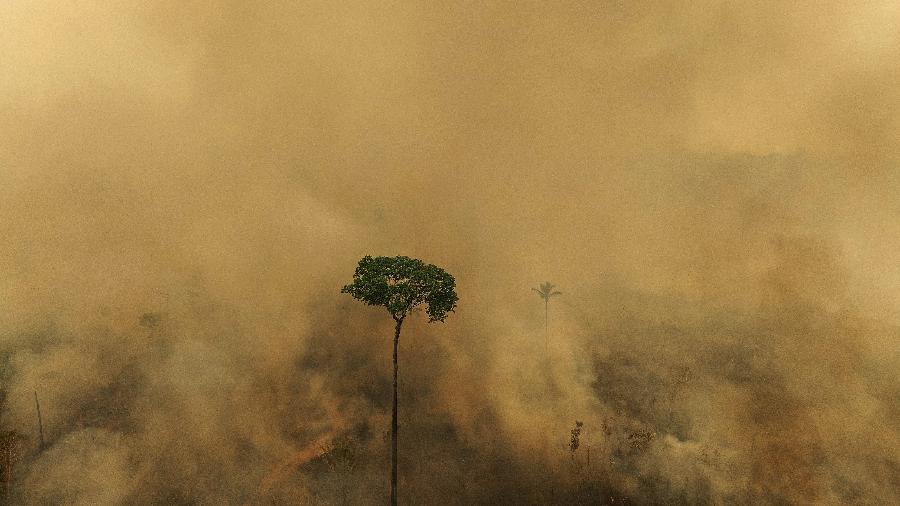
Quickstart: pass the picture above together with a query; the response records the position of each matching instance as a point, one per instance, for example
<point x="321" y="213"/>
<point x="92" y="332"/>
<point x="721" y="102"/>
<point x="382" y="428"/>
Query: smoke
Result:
<point x="185" y="186"/>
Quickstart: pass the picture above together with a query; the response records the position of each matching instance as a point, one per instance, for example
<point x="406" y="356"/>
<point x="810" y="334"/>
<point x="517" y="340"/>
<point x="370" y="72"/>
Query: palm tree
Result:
<point x="545" y="292"/>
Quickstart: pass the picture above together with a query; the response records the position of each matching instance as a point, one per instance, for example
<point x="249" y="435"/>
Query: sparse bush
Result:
<point x="641" y="439"/>
<point x="574" y="440"/>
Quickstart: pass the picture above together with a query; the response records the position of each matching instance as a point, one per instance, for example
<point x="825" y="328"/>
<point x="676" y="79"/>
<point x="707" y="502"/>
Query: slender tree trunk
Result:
<point x="547" y="323"/>
<point x="394" y="428"/>
<point x="40" y="420"/>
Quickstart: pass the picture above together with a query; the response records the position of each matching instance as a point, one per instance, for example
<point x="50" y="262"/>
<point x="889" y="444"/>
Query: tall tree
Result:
<point x="545" y="292"/>
<point x="399" y="284"/>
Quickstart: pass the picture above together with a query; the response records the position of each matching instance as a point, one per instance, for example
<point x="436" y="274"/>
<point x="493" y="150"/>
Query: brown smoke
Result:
<point x="185" y="186"/>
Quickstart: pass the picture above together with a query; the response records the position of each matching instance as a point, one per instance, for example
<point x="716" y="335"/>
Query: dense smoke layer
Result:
<point x="185" y="186"/>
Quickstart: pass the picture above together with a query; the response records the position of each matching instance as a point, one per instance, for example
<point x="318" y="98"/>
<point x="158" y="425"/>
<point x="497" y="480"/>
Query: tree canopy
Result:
<point x="546" y="291"/>
<point x="402" y="283"/>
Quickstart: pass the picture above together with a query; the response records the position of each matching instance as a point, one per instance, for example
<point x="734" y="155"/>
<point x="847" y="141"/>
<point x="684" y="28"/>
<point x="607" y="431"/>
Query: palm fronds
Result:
<point x="546" y="290"/>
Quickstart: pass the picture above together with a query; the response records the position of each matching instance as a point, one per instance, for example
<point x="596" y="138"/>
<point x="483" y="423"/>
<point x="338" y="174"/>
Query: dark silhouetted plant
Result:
<point x="575" y="440"/>
<point x="545" y="292"/>
<point x="641" y="439"/>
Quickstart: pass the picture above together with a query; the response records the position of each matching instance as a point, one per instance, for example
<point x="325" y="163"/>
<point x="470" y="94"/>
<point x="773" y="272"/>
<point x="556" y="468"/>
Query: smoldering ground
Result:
<point x="186" y="187"/>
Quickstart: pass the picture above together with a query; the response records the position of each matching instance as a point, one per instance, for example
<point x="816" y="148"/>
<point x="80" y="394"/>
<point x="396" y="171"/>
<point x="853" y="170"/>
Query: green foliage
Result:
<point x="402" y="283"/>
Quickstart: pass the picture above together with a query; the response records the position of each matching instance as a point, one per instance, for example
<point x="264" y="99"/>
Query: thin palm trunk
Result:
<point x="547" y="322"/>
<point x="545" y="292"/>
<point x="394" y="428"/>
